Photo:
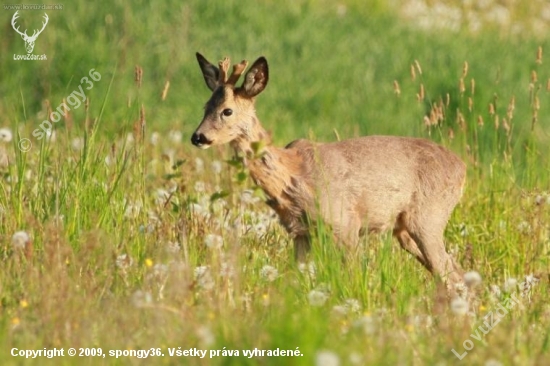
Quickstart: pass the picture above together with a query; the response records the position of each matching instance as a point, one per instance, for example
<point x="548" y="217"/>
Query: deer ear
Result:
<point x="209" y="72"/>
<point x="256" y="78"/>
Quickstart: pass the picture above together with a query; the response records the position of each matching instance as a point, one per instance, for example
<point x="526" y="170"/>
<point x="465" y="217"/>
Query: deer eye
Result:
<point x="227" y="112"/>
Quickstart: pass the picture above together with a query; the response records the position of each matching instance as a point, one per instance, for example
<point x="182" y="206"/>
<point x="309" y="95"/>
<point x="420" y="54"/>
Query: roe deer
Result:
<point x="409" y="185"/>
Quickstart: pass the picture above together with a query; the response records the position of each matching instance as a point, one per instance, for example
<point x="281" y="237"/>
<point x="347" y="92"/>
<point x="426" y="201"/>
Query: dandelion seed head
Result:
<point x="160" y="271"/>
<point x="510" y="284"/>
<point x="307" y="268"/>
<point x="495" y="291"/>
<point x="217" y="167"/>
<point x="355" y="358"/>
<point x="5" y="135"/>
<point x="340" y="310"/>
<point x="248" y="197"/>
<point x="203" y="277"/>
<point x="213" y="241"/>
<point x="524" y="227"/>
<point x="141" y="298"/>
<point x="155" y="138"/>
<point x="472" y="279"/>
<point x="51" y="136"/>
<point x="459" y="306"/>
<point x="172" y="247"/>
<point x="367" y="323"/>
<point x="227" y="270"/>
<point x="317" y="298"/>
<point x="199" y="165"/>
<point x="124" y="261"/>
<point x="206" y="337"/>
<point x="353" y="305"/>
<point x="492" y="362"/>
<point x="20" y="240"/>
<point x="327" y="358"/>
<point x="200" y="186"/>
<point x="77" y="143"/>
<point x="132" y="210"/>
<point x="269" y="273"/>
<point x="175" y="136"/>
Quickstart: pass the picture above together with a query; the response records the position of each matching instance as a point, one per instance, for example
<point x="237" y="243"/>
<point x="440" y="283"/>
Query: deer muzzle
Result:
<point x="200" y="140"/>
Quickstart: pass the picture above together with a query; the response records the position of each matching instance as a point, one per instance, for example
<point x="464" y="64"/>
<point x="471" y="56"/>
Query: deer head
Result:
<point x="229" y="114"/>
<point x="29" y="40"/>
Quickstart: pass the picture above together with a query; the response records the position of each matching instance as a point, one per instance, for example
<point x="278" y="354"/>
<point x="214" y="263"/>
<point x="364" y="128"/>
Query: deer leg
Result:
<point x="439" y="261"/>
<point x="429" y="236"/>
<point x="410" y="245"/>
<point x="346" y="232"/>
<point x="302" y="246"/>
<point x="406" y="241"/>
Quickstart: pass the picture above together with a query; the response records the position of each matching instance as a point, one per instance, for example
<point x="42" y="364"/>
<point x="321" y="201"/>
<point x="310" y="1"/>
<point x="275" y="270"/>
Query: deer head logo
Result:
<point x="29" y="40"/>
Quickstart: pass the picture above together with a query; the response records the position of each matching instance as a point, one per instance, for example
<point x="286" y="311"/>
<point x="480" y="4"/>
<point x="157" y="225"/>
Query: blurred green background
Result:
<point x="333" y="65"/>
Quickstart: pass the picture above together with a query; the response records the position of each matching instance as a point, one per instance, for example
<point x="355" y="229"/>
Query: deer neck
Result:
<point x="284" y="174"/>
<point x="252" y="136"/>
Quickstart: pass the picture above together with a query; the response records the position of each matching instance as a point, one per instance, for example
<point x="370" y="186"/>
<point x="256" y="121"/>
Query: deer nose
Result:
<point x="198" y="139"/>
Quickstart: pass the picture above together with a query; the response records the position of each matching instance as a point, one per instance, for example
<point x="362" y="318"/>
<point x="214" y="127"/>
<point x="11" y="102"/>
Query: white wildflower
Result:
<point x="5" y="134"/>
<point x="51" y="136"/>
<point x="317" y="298"/>
<point x="162" y="196"/>
<point x="20" y="240"/>
<point x="204" y="278"/>
<point x="530" y="279"/>
<point x="132" y="210"/>
<point x="200" y="187"/>
<point x="199" y="210"/>
<point x="77" y="143"/>
<point x="524" y="227"/>
<point x="340" y="310"/>
<point x="327" y="358"/>
<point x="172" y="247"/>
<point x="217" y="167"/>
<point x="495" y="292"/>
<point x="248" y="197"/>
<point x="510" y="284"/>
<point x="492" y="362"/>
<point x="155" y="138"/>
<point x="269" y="273"/>
<point x="124" y="261"/>
<point x="353" y="305"/>
<point x="367" y="323"/>
<point x="459" y="306"/>
<point x="213" y="241"/>
<point x="463" y="229"/>
<point x="109" y="160"/>
<point x="355" y="358"/>
<point x="178" y="267"/>
<point x="206" y="337"/>
<point x="199" y="165"/>
<point x="227" y="270"/>
<point x="129" y="141"/>
<point x="141" y="298"/>
<point x="159" y="272"/>
<point x="424" y="321"/>
<point x="472" y="279"/>
<point x="175" y="136"/>
<point x="307" y="268"/>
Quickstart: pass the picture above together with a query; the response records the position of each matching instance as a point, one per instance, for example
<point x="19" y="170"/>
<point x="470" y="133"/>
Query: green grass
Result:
<point x="118" y="220"/>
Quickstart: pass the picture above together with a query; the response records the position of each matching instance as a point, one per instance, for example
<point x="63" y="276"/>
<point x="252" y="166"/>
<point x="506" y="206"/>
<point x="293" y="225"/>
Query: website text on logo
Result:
<point x="29" y="40"/>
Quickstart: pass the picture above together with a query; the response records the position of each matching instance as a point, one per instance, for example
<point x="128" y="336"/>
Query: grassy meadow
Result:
<point x="117" y="234"/>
